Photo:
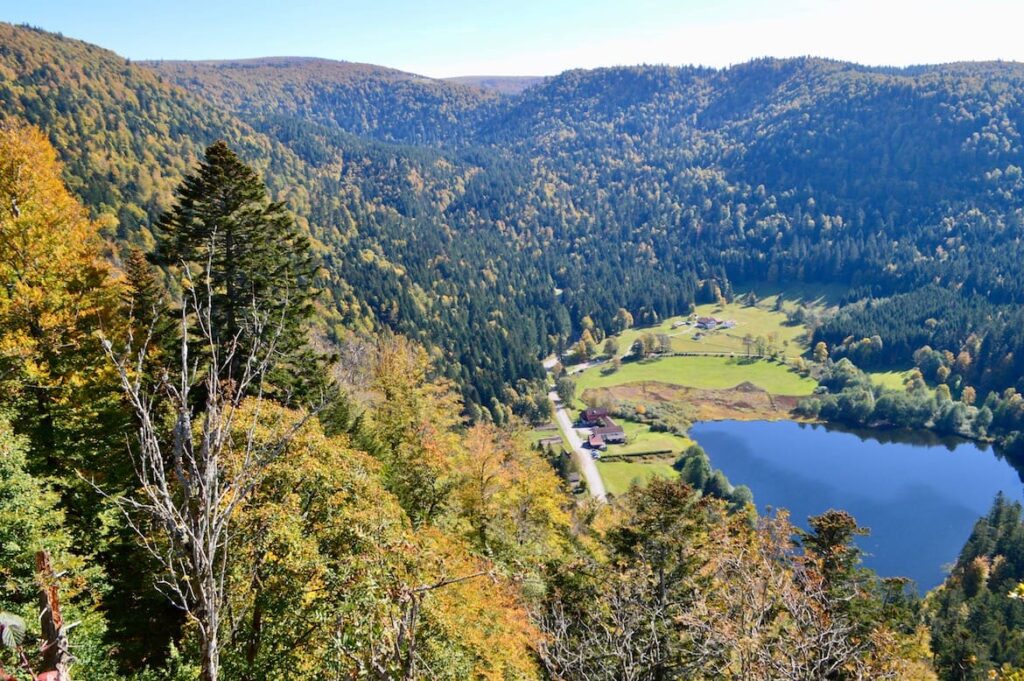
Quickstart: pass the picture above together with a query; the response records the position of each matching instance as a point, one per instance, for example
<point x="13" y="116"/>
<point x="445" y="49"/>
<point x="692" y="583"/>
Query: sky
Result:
<point x="442" y="38"/>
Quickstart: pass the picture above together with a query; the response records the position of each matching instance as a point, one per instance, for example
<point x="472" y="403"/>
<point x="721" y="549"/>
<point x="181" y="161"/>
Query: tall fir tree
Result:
<point x="230" y="237"/>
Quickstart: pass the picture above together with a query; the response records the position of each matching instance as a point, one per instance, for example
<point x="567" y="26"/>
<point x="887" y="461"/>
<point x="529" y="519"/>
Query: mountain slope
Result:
<point x="642" y="180"/>
<point x="505" y="85"/>
<point x="362" y="99"/>
<point x="128" y="136"/>
<point x="453" y="215"/>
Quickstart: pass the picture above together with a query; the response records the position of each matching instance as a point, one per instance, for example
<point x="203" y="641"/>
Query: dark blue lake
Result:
<point x="919" y="495"/>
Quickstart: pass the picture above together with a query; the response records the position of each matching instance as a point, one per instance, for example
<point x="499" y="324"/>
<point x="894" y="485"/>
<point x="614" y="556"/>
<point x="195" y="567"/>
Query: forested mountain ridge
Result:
<point x="881" y="179"/>
<point x="127" y="136"/>
<point x="453" y="215"/>
<point x="361" y="99"/>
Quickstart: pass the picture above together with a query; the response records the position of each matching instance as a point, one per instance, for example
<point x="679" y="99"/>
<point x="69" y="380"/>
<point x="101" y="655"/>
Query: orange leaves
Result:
<point x="56" y="295"/>
<point x="54" y="287"/>
<point x="324" y="547"/>
<point x="413" y="559"/>
<point x="479" y="613"/>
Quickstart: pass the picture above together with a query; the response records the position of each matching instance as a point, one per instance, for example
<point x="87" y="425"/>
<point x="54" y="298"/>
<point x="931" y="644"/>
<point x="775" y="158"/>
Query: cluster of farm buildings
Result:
<point x="707" y="323"/>
<point x="604" y="430"/>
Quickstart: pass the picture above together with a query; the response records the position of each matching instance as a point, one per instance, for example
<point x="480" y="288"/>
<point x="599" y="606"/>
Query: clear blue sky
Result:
<point x="462" y="37"/>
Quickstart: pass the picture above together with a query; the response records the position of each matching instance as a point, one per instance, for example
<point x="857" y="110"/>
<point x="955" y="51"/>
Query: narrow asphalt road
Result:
<point x="583" y="459"/>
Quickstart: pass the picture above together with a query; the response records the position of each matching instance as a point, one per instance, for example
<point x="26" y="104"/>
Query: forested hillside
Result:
<point x="184" y="248"/>
<point x="647" y="181"/>
<point x="361" y="99"/>
<point x="489" y="226"/>
<point x="127" y="137"/>
<point x="975" y="627"/>
<point x="188" y="509"/>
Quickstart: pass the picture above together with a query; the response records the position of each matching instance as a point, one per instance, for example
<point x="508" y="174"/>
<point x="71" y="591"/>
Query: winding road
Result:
<point x="583" y="459"/>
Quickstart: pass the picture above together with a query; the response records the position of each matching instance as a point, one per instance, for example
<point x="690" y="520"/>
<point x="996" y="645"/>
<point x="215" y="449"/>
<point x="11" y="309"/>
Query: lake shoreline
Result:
<point x="897" y="433"/>
<point x="919" y="495"/>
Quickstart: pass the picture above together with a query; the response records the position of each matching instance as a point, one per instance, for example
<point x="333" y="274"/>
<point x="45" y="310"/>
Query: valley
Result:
<point x="700" y="387"/>
<point x="701" y="375"/>
<point x="325" y="368"/>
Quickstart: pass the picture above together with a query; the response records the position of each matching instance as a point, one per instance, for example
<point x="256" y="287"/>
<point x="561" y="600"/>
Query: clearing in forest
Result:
<point x="709" y="373"/>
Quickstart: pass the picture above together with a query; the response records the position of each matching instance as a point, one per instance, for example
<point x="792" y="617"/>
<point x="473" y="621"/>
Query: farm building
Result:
<point x="711" y="323"/>
<point x="609" y="431"/>
<point x="707" y="323"/>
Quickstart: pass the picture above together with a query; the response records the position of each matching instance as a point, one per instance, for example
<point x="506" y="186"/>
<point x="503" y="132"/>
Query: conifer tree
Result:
<point x="148" y="308"/>
<point x="145" y="296"/>
<point x="246" y="249"/>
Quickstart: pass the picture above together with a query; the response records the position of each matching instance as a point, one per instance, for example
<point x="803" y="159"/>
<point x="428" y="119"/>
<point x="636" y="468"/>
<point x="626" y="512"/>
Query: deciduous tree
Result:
<point x="56" y="294"/>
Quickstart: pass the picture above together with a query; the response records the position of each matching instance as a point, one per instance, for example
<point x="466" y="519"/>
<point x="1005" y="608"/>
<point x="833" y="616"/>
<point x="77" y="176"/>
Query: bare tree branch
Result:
<point x="192" y="480"/>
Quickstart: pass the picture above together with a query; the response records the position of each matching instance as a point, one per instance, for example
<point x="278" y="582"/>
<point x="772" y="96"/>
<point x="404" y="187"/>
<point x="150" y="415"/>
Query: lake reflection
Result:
<point x="919" y="495"/>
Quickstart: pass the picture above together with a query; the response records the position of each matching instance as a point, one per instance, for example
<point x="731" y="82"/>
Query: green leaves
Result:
<point x="975" y="618"/>
<point x="12" y="630"/>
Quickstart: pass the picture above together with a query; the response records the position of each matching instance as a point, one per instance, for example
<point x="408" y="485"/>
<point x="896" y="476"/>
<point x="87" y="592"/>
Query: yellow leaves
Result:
<point x="509" y="497"/>
<point x="911" y="654"/>
<point x="322" y="541"/>
<point x="480" y="613"/>
<point x="414" y="179"/>
<point x="56" y="291"/>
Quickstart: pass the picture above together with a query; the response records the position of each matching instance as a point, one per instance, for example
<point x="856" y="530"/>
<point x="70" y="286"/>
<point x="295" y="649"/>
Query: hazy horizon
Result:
<point x="458" y="38"/>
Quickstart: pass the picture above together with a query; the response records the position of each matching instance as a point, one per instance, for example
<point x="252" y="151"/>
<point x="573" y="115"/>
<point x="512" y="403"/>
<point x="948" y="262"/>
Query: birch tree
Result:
<point x="192" y="479"/>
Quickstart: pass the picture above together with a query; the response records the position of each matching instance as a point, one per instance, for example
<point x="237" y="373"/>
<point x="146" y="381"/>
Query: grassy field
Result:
<point x="702" y="372"/>
<point x="619" y="475"/>
<point x="894" y="380"/>
<point x="889" y="379"/>
<point x="639" y="438"/>
<point x="535" y="435"/>
<point x="760" y="320"/>
<point x="714" y="375"/>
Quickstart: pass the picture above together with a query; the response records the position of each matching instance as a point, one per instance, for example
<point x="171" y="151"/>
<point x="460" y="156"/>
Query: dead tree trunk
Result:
<point x="57" y="658"/>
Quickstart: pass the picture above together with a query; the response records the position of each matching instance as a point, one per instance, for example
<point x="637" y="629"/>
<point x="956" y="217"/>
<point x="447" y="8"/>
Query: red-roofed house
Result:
<point x="592" y="417"/>
<point x="609" y="431"/>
